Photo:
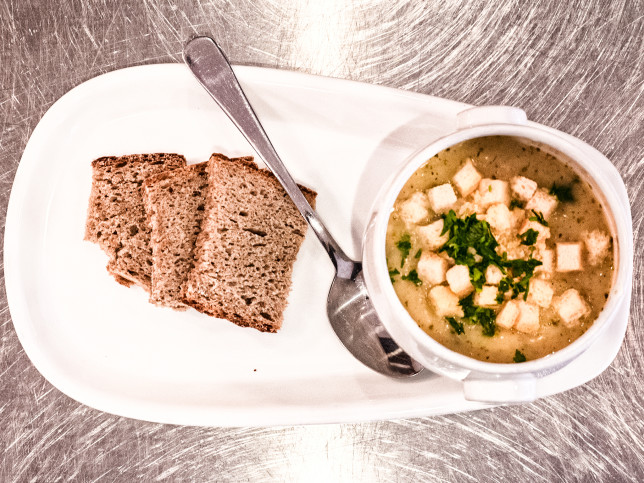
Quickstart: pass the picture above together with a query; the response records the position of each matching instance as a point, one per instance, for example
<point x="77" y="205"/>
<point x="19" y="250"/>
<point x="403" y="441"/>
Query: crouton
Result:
<point x="493" y="275"/>
<point x="571" y="307"/>
<point x="441" y="198"/>
<point x="467" y="178"/>
<point x="569" y="257"/>
<point x="518" y="216"/>
<point x="430" y="235"/>
<point x="450" y="260"/>
<point x="487" y="296"/>
<point x="470" y="208"/>
<point x="523" y="188"/>
<point x="415" y="209"/>
<point x="494" y="191"/>
<point x="547" y="267"/>
<point x="445" y="302"/>
<point x="597" y="243"/>
<point x="528" y="320"/>
<point x="508" y="315"/>
<point x="542" y="202"/>
<point x="431" y="268"/>
<point x="458" y="278"/>
<point x="499" y="217"/>
<point x="544" y="231"/>
<point x="540" y="292"/>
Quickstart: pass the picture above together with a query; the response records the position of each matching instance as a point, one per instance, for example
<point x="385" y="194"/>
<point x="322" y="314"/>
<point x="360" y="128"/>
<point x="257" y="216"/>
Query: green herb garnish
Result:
<point x="412" y="277"/>
<point x="479" y="315"/>
<point x="529" y="237"/>
<point x="563" y="192"/>
<point x="538" y="217"/>
<point x="404" y="245"/>
<point x="471" y="243"/>
<point x="469" y="237"/>
<point x="521" y="271"/>
<point x="392" y="274"/>
<point x="515" y="204"/>
<point x="417" y="256"/>
<point x="518" y="356"/>
<point x="456" y="325"/>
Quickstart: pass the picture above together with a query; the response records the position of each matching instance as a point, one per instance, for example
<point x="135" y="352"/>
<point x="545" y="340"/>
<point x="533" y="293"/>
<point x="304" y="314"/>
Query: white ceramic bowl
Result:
<point x="486" y="381"/>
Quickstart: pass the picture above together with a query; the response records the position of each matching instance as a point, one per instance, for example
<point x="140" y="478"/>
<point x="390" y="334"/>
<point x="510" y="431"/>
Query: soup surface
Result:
<point x="500" y="251"/>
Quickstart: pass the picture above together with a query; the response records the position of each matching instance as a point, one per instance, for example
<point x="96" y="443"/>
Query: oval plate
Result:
<point x="107" y="347"/>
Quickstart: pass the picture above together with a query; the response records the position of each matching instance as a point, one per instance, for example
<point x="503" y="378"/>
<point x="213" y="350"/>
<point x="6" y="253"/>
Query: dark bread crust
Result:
<point x="251" y="233"/>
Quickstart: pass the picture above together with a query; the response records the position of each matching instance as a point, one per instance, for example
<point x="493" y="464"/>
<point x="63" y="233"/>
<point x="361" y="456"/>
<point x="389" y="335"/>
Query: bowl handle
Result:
<point x="510" y="389"/>
<point x="479" y="116"/>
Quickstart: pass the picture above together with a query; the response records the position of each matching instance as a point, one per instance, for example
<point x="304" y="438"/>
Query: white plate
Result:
<point x="105" y="346"/>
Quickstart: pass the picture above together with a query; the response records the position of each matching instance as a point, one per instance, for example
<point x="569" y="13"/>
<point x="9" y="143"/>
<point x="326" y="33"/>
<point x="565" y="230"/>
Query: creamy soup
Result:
<point x="499" y="250"/>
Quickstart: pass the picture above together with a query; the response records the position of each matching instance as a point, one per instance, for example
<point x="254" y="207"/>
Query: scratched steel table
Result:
<point x="578" y="67"/>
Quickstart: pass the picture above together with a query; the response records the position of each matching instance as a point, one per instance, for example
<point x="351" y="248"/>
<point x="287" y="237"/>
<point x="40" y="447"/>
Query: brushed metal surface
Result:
<point x="576" y="66"/>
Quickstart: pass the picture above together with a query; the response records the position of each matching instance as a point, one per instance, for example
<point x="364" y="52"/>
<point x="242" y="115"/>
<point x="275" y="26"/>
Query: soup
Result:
<point x="499" y="250"/>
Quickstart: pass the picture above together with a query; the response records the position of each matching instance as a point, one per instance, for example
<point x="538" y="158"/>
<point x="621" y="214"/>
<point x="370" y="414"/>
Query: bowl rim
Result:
<point x="376" y="266"/>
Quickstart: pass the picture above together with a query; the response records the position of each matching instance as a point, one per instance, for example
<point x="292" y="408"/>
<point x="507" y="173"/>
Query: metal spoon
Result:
<point x="349" y="309"/>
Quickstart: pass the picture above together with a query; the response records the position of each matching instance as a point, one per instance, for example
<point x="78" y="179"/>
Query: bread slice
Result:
<point x="250" y="236"/>
<point x="116" y="218"/>
<point x="175" y="202"/>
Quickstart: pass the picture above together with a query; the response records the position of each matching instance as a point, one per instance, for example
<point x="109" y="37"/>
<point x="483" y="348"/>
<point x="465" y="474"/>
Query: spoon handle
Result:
<point x="209" y="65"/>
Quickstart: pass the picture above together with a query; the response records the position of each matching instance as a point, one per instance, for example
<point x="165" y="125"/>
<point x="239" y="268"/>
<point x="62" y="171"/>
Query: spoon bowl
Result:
<point x="349" y="307"/>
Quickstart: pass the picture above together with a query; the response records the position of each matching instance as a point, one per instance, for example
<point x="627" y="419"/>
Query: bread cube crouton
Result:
<point x="487" y="296"/>
<point x="597" y="243"/>
<point x="500" y="217"/>
<point x="569" y="257"/>
<point x="493" y="275"/>
<point x="445" y="302"/>
<point x="458" y="278"/>
<point x="540" y="292"/>
<point x="547" y="268"/>
<point x="528" y="320"/>
<point x="431" y="268"/>
<point x="430" y="235"/>
<point x="542" y="202"/>
<point x="467" y="179"/>
<point x="523" y="188"/>
<point x="415" y="208"/>
<point x="441" y="198"/>
<point x="494" y="191"/>
<point x="571" y="307"/>
<point x="518" y="216"/>
<point x="544" y="231"/>
<point x="508" y="315"/>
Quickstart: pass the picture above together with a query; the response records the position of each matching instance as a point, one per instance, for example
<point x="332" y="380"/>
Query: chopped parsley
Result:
<point x="529" y="237"/>
<point x="417" y="256"/>
<point x="518" y="356"/>
<point x="392" y="274"/>
<point x="471" y="243"/>
<point x="562" y="192"/>
<point x="404" y="245"/>
<point x="515" y="204"/>
<point x="412" y="277"/>
<point x="538" y="217"/>
<point x="469" y="237"/>
<point x="479" y="315"/>
<point x="518" y="281"/>
<point x="456" y="325"/>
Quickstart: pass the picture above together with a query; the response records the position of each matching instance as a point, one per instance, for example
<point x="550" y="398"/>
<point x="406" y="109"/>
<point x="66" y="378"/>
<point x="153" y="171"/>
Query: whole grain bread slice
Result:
<point x="175" y="204"/>
<point x="250" y="236"/>
<point x="116" y="218"/>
